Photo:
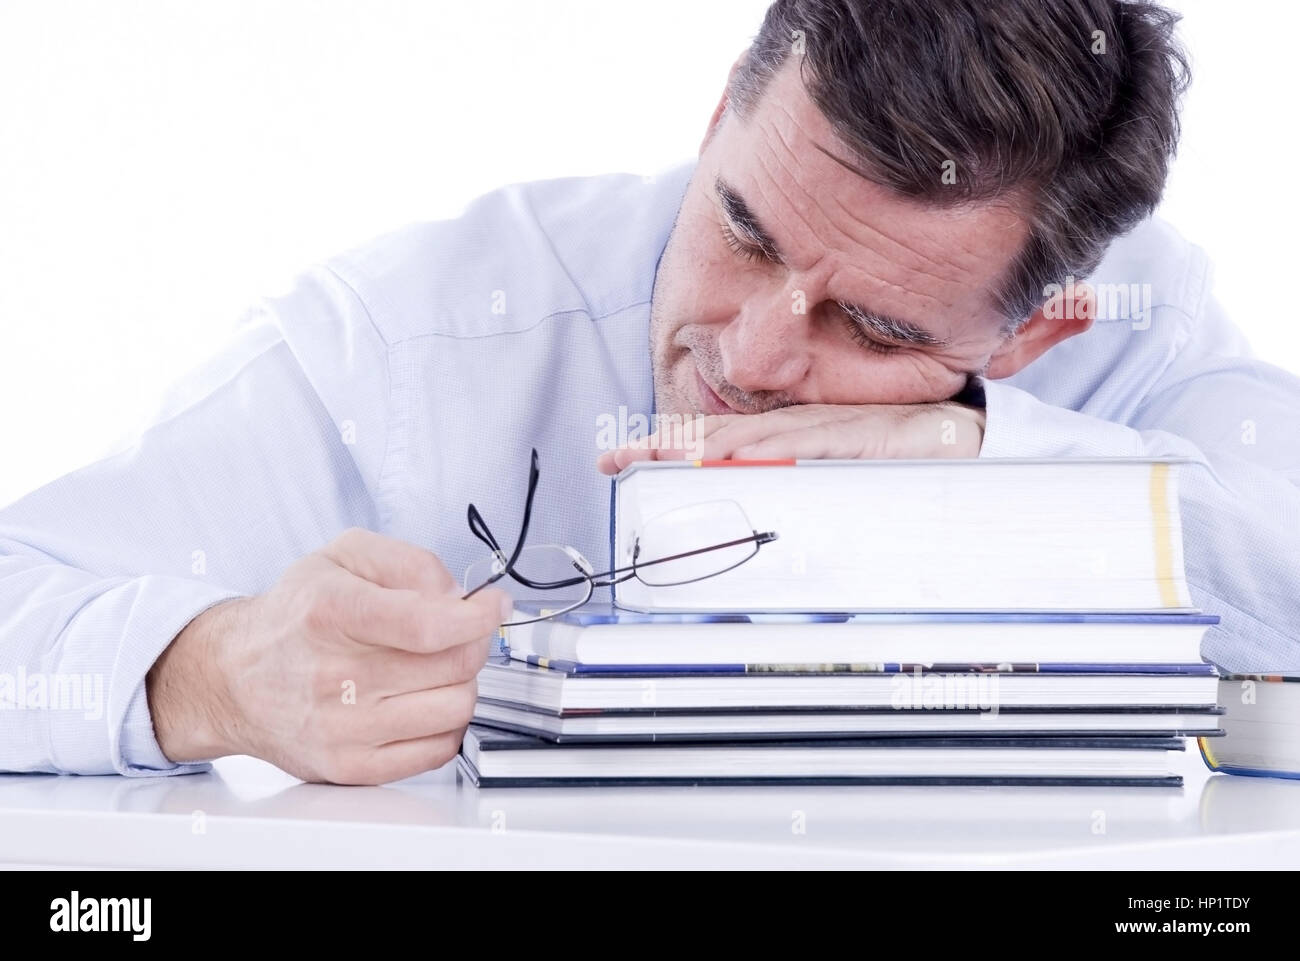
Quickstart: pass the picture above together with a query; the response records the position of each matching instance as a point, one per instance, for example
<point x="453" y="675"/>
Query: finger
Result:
<point x="388" y="562"/>
<point x="410" y="621"/>
<point x="402" y="759"/>
<point x="813" y="442"/>
<point x="607" y="463"/>
<point x="628" y="456"/>
<point x="662" y="453"/>
<point x="418" y="714"/>
<point x="390" y="673"/>
<point x="682" y="438"/>
<point x="613" y="461"/>
<point x="686" y="433"/>
<point x="737" y="436"/>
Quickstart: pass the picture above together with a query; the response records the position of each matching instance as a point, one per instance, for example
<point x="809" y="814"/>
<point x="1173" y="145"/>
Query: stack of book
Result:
<point x="997" y="621"/>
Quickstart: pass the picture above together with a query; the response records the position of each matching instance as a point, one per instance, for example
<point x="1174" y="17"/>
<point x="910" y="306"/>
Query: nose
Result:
<point x="766" y="348"/>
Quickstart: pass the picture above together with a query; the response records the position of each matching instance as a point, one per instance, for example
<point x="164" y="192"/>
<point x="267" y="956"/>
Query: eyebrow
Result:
<point x="889" y="328"/>
<point x="745" y="223"/>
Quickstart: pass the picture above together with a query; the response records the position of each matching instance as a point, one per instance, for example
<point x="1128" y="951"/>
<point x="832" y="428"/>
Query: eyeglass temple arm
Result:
<point x="478" y="526"/>
<point x="758" y="538"/>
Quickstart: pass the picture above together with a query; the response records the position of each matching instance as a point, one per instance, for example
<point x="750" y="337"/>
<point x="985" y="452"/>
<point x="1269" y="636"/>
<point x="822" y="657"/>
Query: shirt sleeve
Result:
<point x="258" y="457"/>
<point x="1235" y="418"/>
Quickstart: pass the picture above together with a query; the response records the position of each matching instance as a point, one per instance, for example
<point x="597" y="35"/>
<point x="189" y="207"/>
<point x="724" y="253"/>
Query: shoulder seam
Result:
<point x="519" y="330"/>
<point x="550" y="244"/>
<point x="1200" y="262"/>
<point x="361" y="302"/>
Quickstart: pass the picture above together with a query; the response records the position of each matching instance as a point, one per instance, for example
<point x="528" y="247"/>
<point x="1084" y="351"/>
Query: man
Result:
<point x="872" y="257"/>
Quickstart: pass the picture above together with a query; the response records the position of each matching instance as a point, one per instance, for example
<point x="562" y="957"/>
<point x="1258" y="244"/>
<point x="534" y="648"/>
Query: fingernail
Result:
<point x="507" y="607"/>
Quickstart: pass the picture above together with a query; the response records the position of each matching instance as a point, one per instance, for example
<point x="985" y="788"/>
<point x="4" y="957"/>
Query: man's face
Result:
<point x="790" y="279"/>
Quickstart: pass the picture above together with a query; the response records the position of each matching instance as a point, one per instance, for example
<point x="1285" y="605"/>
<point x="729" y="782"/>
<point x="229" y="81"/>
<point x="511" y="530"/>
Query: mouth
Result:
<point x="710" y="402"/>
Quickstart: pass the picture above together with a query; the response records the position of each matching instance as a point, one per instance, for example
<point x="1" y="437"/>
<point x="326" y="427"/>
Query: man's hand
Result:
<point x="816" y="431"/>
<point x="358" y="667"/>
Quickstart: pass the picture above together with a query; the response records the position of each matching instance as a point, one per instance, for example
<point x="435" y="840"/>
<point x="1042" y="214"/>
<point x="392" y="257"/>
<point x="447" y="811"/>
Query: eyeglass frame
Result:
<point x="478" y="527"/>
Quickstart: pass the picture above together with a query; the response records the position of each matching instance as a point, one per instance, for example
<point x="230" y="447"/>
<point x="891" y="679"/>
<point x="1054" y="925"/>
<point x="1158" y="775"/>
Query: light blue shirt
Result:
<point x="404" y="379"/>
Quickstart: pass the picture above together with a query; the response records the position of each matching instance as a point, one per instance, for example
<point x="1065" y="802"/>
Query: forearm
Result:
<point x="74" y="652"/>
<point x="190" y="701"/>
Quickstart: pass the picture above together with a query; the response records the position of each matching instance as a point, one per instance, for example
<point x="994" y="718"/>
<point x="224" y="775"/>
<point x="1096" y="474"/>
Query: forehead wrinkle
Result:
<point x="928" y="302"/>
<point x="815" y="201"/>
<point x="843" y="163"/>
<point x="795" y="157"/>
<point x="949" y="285"/>
<point x="915" y="269"/>
<point x="877" y="232"/>
<point x="773" y="176"/>
<point x="770" y="161"/>
<point x="976" y="261"/>
<point x="969" y="251"/>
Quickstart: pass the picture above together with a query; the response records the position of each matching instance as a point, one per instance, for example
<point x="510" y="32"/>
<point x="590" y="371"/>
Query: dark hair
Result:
<point x="1066" y="108"/>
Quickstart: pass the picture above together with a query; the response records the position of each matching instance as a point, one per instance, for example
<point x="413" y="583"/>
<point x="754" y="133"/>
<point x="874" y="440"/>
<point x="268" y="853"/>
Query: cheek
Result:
<point x="705" y="285"/>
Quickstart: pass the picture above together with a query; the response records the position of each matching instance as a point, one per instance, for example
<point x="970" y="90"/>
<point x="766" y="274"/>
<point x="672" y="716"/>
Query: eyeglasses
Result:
<point x="561" y="579"/>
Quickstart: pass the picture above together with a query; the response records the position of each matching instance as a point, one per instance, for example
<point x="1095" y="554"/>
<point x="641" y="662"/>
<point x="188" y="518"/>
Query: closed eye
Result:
<point x="863" y="339"/>
<point x="861" y="335"/>
<point x="739" y="247"/>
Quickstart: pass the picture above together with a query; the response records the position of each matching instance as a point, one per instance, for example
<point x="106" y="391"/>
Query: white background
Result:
<point x="164" y="163"/>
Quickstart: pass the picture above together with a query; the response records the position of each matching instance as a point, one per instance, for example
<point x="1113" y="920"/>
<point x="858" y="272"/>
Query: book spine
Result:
<point x="613" y="516"/>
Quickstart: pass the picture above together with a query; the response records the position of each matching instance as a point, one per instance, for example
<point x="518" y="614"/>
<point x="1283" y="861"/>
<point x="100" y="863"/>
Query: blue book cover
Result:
<point x="574" y="668"/>
<point x="593" y="614"/>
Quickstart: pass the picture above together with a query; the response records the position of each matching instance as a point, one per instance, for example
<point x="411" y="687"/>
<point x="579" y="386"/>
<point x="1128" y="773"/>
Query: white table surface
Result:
<point x="246" y="813"/>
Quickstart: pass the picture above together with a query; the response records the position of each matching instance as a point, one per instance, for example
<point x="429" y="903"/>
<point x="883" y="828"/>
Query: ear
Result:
<point x="723" y="103"/>
<point x="1063" y="316"/>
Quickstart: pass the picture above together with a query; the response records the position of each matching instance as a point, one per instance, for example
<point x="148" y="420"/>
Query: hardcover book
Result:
<point x="603" y="634"/>
<point x="491" y="758"/>
<point x="562" y="692"/>
<point x="1261" y="726"/>
<point x="998" y="534"/>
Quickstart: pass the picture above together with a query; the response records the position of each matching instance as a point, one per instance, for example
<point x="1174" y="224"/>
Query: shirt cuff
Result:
<point x="1018" y="424"/>
<point x="134" y="744"/>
